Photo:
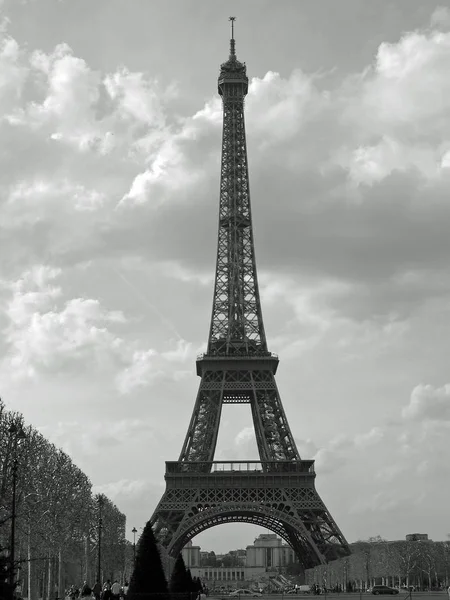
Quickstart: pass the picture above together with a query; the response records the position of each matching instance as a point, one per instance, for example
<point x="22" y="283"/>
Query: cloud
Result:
<point x="71" y="93"/>
<point x="331" y="456"/>
<point x="334" y="454"/>
<point x="382" y="501"/>
<point x="327" y="139"/>
<point x="307" y="448"/>
<point x="41" y="336"/>
<point x="139" y="373"/>
<point x="87" y="438"/>
<point x="146" y="367"/>
<point x="428" y="403"/>
<point x="29" y="203"/>
<point x="389" y="473"/>
<point x="13" y="72"/>
<point x="341" y="450"/>
<point x="440" y="17"/>
<point x="171" y="176"/>
<point x="44" y="336"/>
<point x="136" y="496"/>
<point x="181" y="353"/>
<point x="398" y="93"/>
<point x="419" y="434"/>
<point x="182" y="273"/>
<point x="279" y="108"/>
<point x="374" y="436"/>
<point x="245" y="436"/>
<point x="371" y="164"/>
<point x="318" y="311"/>
<point x="137" y="98"/>
<point x="323" y="232"/>
<point x="411" y="456"/>
<point x="123" y="487"/>
<point x="82" y="109"/>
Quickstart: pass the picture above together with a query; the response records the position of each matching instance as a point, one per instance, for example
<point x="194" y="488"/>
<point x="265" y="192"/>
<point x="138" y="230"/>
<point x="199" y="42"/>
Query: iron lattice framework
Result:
<point x="277" y="493"/>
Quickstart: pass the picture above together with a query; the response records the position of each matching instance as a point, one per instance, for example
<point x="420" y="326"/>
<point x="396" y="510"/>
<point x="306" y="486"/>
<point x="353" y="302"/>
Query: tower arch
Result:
<point x="281" y="522"/>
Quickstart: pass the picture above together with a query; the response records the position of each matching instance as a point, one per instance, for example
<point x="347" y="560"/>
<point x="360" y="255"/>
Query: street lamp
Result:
<point x="99" y="549"/>
<point x="134" y="532"/>
<point x="19" y="434"/>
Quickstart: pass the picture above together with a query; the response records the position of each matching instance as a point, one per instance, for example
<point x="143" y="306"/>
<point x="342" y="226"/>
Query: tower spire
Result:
<point x="232" y="41"/>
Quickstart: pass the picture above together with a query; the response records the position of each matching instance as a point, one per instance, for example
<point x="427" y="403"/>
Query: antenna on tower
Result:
<point x="232" y="19"/>
<point x="232" y="46"/>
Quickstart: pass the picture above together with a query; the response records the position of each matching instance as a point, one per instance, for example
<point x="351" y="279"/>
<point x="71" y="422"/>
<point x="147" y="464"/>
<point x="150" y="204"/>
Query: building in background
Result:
<point x="192" y="555"/>
<point x="269" y="551"/>
<point x="262" y="563"/>
<point x="417" y="537"/>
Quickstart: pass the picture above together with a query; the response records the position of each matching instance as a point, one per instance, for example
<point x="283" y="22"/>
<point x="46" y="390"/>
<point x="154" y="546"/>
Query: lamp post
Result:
<point x="134" y="531"/>
<point x="99" y="549"/>
<point x="18" y="434"/>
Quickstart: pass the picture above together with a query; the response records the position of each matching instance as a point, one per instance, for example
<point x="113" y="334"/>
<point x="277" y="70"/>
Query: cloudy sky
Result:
<point x="110" y="129"/>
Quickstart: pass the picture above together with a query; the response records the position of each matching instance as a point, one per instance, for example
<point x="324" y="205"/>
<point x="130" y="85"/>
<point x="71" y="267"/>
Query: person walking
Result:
<point x="106" y="592"/>
<point x="115" y="590"/>
<point x="97" y="590"/>
<point x="448" y="592"/>
<point x="85" y="590"/>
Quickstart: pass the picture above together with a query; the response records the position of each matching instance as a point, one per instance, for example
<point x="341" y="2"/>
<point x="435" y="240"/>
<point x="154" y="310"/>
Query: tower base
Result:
<point x="279" y="496"/>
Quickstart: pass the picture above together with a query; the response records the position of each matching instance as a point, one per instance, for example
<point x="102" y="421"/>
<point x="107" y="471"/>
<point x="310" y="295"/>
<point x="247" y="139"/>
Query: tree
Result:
<point x="230" y="560"/>
<point x="196" y="585"/>
<point x="6" y="592"/>
<point x="191" y="587"/>
<point x="56" y="521"/>
<point x="209" y="561"/>
<point x="179" y="580"/>
<point x="113" y="536"/>
<point x="443" y="552"/>
<point x="427" y="561"/>
<point x="376" y="539"/>
<point x="405" y="558"/>
<point x="148" y="575"/>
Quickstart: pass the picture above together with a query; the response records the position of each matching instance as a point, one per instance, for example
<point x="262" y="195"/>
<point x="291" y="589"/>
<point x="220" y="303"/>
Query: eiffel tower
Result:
<point x="277" y="492"/>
